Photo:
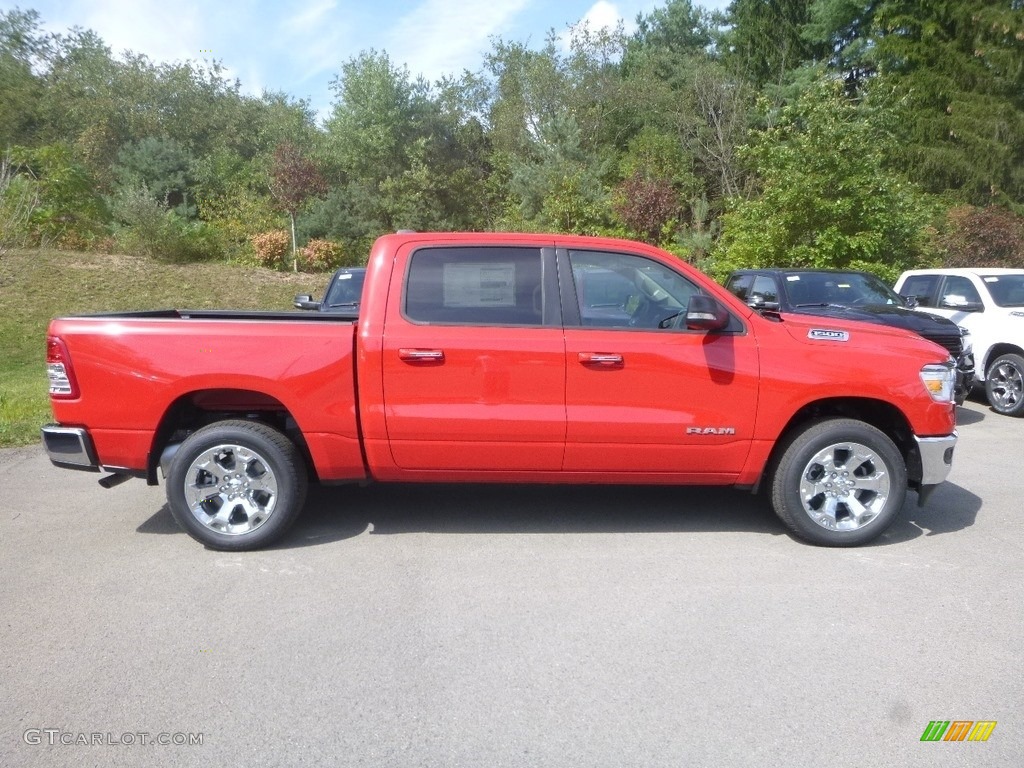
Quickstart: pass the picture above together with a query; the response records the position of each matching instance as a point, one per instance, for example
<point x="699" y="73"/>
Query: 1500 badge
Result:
<point x="828" y="334"/>
<point x="711" y="430"/>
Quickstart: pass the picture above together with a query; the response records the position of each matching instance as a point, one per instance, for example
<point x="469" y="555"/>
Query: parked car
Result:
<point x="475" y="358"/>
<point x="344" y="292"/>
<point x="989" y="302"/>
<point x="852" y="295"/>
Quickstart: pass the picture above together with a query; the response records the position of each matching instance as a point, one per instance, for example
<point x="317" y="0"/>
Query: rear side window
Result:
<point x="921" y="287"/>
<point x="740" y="286"/>
<point x="475" y="286"/>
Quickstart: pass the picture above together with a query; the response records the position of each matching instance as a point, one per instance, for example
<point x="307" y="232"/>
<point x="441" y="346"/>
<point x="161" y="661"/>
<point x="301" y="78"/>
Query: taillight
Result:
<point x="59" y="370"/>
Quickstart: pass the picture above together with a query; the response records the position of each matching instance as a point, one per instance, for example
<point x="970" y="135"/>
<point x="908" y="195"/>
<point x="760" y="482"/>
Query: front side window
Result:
<point x="475" y="286"/>
<point x="617" y="290"/>
<point x="765" y="289"/>
<point x="959" y="292"/>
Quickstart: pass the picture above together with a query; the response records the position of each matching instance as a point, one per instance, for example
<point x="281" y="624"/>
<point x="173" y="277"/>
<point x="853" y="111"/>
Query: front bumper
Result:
<point x="964" y="377"/>
<point x="936" y="455"/>
<point x="70" y="447"/>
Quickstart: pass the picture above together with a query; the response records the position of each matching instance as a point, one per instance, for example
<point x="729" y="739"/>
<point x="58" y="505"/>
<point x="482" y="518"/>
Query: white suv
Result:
<point x="990" y="304"/>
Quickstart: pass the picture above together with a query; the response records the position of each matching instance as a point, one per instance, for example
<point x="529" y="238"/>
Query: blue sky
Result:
<point x="299" y="47"/>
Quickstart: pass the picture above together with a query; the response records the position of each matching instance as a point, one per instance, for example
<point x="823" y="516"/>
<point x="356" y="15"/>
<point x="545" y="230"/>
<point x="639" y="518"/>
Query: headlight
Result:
<point x="938" y="380"/>
<point x="965" y="339"/>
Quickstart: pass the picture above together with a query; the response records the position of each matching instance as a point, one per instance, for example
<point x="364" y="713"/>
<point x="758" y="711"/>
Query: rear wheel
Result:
<point x="839" y="483"/>
<point x="1004" y="385"/>
<point x="236" y="485"/>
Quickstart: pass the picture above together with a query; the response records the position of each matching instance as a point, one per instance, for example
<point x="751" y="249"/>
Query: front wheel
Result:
<point x="236" y="485"/>
<point x="1004" y="385"/>
<point x="839" y="483"/>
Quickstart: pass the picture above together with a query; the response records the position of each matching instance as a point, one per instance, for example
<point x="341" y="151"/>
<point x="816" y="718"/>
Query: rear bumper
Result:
<point x="70" y="447"/>
<point x="936" y="454"/>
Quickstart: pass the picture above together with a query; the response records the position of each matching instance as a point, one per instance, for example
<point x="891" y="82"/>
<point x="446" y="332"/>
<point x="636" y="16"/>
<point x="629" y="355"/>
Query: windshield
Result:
<point x="346" y="288"/>
<point x="842" y="288"/>
<point x="1006" y="290"/>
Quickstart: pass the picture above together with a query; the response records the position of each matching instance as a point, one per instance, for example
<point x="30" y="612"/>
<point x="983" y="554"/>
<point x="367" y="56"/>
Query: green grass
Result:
<point x="37" y="285"/>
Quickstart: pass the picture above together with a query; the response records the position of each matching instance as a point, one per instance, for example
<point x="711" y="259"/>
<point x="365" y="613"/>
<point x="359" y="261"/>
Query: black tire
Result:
<point x="236" y="485"/>
<point x="819" y="503"/>
<point x="1004" y="385"/>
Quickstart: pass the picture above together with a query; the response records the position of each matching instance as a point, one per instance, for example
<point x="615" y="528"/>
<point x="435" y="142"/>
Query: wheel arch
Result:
<point x="884" y="416"/>
<point x="199" y="408"/>
<point x="997" y="350"/>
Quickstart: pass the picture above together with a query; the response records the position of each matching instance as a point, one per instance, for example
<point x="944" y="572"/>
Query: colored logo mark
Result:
<point x="958" y="730"/>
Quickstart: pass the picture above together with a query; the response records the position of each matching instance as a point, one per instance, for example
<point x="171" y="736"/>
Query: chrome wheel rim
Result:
<point x="231" y="489"/>
<point x="844" y="486"/>
<point x="1007" y="385"/>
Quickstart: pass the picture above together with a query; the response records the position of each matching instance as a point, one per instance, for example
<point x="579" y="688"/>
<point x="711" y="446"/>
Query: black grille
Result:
<point x="951" y="341"/>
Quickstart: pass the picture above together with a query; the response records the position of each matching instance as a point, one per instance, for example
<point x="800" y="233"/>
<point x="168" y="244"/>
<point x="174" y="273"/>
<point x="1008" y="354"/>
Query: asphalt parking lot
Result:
<point x="511" y="626"/>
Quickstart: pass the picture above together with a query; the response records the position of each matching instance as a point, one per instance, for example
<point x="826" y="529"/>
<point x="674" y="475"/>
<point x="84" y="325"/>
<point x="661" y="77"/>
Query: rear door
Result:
<point x="474" y="361"/>
<point x="646" y="398"/>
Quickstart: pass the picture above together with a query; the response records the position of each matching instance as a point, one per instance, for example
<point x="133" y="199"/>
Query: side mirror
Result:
<point x="758" y="303"/>
<point x="305" y="301"/>
<point x="909" y="301"/>
<point x="704" y="313"/>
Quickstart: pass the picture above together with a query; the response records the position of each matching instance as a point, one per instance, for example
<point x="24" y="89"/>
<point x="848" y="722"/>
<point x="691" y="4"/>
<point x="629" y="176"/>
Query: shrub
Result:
<point x="982" y="237"/>
<point x="145" y="228"/>
<point x="271" y="248"/>
<point x="19" y="197"/>
<point x="320" y="256"/>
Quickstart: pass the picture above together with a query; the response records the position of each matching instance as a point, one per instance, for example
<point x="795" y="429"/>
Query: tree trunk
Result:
<point x="295" y="250"/>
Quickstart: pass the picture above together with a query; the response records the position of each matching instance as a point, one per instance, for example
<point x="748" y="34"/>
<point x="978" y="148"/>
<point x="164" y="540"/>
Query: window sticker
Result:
<point x="479" y="285"/>
<point x="990" y="279"/>
<point x="793" y="278"/>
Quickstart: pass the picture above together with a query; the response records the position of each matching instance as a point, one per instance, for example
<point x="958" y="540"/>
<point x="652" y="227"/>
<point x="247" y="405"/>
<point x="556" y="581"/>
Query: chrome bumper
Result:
<point x="70" y="447"/>
<point x="936" y="461"/>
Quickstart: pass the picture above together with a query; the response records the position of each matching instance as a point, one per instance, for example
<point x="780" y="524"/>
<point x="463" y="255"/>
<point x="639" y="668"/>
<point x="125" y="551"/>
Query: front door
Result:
<point x="643" y="394"/>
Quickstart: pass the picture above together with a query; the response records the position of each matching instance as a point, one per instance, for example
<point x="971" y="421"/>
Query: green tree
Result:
<point x="955" y="71"/>
<point x="826" y="199"/>
<point x="765" y="39"/>
<point x="23" y="49"/>
<point x="160" y="164"/>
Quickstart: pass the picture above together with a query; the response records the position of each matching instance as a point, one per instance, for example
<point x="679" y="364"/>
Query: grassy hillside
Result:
<point x="37" y="285"/>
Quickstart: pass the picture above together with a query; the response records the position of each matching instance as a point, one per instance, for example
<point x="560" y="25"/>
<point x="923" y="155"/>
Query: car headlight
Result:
<point x="966" y="343"/>
<point x="938" y="380"/>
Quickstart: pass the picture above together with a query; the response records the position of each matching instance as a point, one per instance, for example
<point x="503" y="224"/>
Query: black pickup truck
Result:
<point x="851" y="295"/>
<point x="344" y="293"/>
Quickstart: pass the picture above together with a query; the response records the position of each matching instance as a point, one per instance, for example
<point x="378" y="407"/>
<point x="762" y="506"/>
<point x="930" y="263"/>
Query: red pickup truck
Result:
<point x="498" y="357"/>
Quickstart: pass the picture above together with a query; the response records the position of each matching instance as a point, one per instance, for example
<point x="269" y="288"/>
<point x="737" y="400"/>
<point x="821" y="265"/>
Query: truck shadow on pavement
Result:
<point x="336" y="513"/>
<point x="966" y="416"/>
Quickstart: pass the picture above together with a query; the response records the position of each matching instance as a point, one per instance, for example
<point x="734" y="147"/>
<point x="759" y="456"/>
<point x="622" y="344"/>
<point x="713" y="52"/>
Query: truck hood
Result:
<point x="844" y="329"/>
<point x="886" y="314"/>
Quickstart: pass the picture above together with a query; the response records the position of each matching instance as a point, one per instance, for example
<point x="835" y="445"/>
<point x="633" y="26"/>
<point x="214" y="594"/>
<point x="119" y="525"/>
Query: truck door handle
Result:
<point x="601" y="359"/>
<point x="421" y="355"/>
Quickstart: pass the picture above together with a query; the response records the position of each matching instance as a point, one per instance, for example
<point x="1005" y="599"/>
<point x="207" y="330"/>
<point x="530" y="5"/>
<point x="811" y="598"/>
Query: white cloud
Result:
<point x="602" y="15"/>
<point x="163" y="31"/>
<point x="442" y="37"/>
<point x="310" y="19"/>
